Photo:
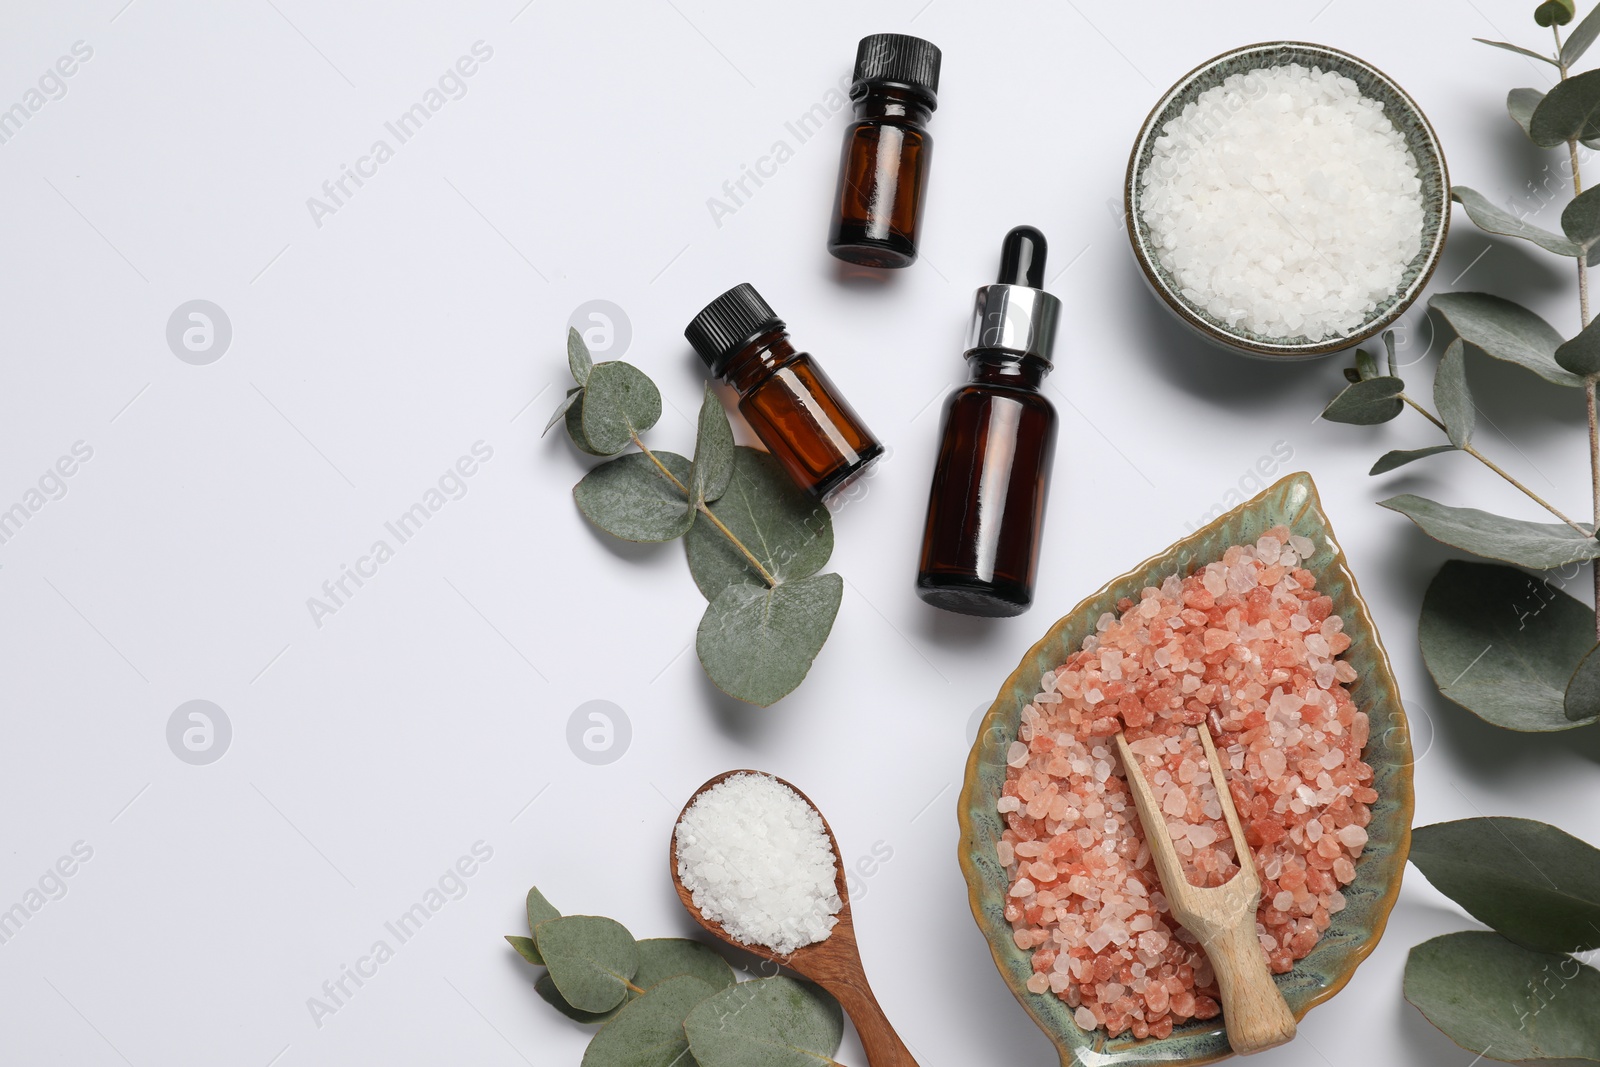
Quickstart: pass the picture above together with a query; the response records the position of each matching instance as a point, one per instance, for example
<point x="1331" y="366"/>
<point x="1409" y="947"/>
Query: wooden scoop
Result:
<point x="833" y="963"/>
<point x="1223" y="917"/>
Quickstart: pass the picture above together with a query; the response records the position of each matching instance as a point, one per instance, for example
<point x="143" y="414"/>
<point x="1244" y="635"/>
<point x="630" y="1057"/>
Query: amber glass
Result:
<point x="980" y="547"/>
<point x="799" y="414"/>
<point x="877" y="213"/>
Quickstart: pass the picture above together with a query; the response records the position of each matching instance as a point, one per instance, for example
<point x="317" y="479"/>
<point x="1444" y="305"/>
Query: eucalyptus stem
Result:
<point x="1472" y="451"/>
<point x="703" y="508"/>
<point x="1584" y="317"/>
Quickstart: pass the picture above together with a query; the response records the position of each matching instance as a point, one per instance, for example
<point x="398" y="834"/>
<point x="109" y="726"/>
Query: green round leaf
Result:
<point x="661" y="958"/>
<point x="648" y="1032"/>
<point x="539" y="909"/>
<point x="1571" y="111"/>
<point x="1520" y="103"/>
<point x="1540" y="545"/>
<point x="1509" y="1003"/>
<point x="1534" y="883"/>
<point x="1581" y="355"/>
<point x="791" y="534"/>
<point x="757" y="643"/>
<point x="1452" y="396"/>
<point x="552" y="996"/>
<point x="619" y="401"/>
<point x="1400" y="457"/>
<point x="1367" y="402"/>
<point x="591" y="959"/>
<point x="629" y="497"/>
<point x="1505" y="331"/>
<point x="713" y="451"/>
<point x="574" y="419"/>
<point x="1503" y="644"/>
<point x="770" y="1022"/>
<point x="1487" y="216"/>
<point x="1554" y="12"/>
<point x="1580" y="219"/>
<point x="1582" y="703"/>
<point x="578" y="359"/>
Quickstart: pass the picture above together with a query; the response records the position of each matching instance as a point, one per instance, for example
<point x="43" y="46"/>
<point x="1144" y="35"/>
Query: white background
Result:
<point x="426" y="314"/>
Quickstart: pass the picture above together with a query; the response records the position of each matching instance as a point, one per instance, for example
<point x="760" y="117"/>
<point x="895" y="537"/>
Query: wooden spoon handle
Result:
<point x="878" y="1038"/>
<point x="1253" y="1009"/>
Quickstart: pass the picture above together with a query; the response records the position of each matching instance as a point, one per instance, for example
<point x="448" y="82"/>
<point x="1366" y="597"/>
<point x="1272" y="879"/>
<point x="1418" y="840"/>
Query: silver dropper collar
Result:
<point x="1018" y="319"/>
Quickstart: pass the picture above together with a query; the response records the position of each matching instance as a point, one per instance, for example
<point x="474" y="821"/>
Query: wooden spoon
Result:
<point x="834" y="963"/>
<point x="1222" y="917"/>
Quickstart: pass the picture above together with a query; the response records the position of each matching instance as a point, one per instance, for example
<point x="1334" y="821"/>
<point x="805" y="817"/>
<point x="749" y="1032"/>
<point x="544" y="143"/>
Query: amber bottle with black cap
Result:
<point x="783" y="394"/>
<point x="980" y="545"/>
<point x="877" y="212"/>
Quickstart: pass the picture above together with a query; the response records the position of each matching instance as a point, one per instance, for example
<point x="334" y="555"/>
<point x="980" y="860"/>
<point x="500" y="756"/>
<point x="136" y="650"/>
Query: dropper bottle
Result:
<point x="980" y="546"/>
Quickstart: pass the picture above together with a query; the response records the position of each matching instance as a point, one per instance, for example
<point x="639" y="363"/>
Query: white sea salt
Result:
<point x="1284" y="202"/>
<point x="757" y="859"/>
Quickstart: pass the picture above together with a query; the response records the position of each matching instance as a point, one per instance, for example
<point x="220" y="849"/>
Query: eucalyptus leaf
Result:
<point x="1495" y="219"/>
<point x="1505" y="331"/>
<point x="1555" y="12"/>
<point x="1498" y="999"/>
<point x="1503" y="644"/>
<point x="629" y="497"/>
<point x="661" y="958"/>
<point x="1582" y="703"/>
<point x="1579" y="40"/>
<point x="1581" y="355"/>
<point x="591" y="959"/>
<point x="574" y="395"/>
<point x="1366" y="366"/>
<point x="757" y="643"/>
<point x="1570" y="111"/>
<point x="713" y="451"/>
<point x="1452" y="396"/>
<point x="1540" y="545"/>
<point x="1388" y="347"/>
<point x="575" y="428"/>
<point x="1352" y="375"/>
<point x="1367" y="403"/>
<point x="578" y="358"/>
<point x="1520" y="103"/>
<point x="1534" y="883"/>
<point x="552" y="996"/>
<point x="1401" y="456"/>
<point x="648" y="1032"/>
<point x="1580" y="219"/>
<point x="769" y="1022"/>
<point x="619" y="402"/>
<point x="1517" y="48"/>
<point x="527" y="948"/>
<point x="539" y="909"/>
<point x="791" y="534"/>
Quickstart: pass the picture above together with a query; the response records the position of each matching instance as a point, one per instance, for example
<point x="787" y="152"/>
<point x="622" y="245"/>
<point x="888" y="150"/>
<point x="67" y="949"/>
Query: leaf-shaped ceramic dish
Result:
<point x="1355" y="930"/>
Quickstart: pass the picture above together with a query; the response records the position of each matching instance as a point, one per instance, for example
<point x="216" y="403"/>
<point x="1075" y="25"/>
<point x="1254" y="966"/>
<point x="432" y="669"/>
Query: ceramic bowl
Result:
<point x="1354" y="931"/>
<point x="1401" y="110"/>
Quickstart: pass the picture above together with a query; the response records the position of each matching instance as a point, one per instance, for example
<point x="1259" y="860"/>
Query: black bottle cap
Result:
<point x="728" y="323"/>
<point x="898" y="59"/>
<point x="1022" y="258"/>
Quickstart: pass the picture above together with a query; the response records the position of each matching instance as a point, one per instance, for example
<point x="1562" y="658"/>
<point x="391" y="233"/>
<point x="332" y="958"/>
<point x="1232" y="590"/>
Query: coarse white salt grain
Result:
<point x="757" y="859"/>
<point x="1284" y="202"/>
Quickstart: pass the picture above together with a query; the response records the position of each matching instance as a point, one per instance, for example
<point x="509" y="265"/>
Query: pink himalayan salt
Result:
<point x="1245" y="646"/>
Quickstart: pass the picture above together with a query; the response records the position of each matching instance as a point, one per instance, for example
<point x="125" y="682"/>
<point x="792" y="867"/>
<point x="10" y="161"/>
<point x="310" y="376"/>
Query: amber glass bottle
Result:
<point x="791" y="405"/>
<point x="877" y="212"/>
<point x="980" y="546"/>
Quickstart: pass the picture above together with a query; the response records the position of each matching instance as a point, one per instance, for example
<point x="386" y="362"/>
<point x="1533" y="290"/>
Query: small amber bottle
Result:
<point x="791" y="405"/>
<point x="980" y="547"/>
<point x="877" y="213"/>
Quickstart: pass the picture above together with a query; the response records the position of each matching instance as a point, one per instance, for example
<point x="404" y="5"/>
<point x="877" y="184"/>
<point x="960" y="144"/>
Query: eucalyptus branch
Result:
<point x="1472" y="451"/>
<point x="705" y="509"/>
